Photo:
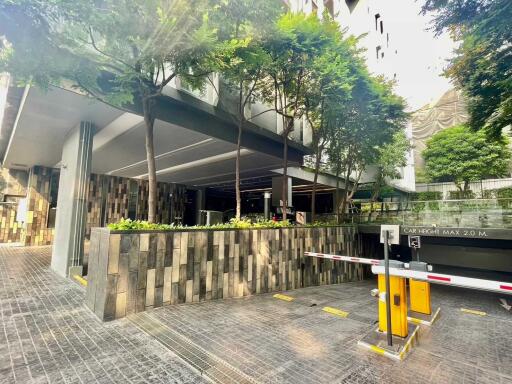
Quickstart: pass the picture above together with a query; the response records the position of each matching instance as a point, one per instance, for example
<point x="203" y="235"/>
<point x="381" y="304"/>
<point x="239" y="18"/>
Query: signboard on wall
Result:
<point x="21" y="212"/>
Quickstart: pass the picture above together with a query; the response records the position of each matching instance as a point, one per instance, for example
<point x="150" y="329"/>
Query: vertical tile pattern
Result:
<point x="112" y="207"/>
<point x="170" y="201"/>
<point x="145" y="270"/>
<point x="38" y="203"/>
<point x="10" y="229"/>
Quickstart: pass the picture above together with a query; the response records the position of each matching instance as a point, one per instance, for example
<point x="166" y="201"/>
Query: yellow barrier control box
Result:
<point x="398" y="296"/>
<point x="420" y="296"/>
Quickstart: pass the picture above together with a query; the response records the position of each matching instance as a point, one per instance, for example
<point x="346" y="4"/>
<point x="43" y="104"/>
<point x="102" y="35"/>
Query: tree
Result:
<point x="460" y="155"/>
<point x="482" y="66"/>
<point x="369" y="120"/>
<point x="293" y="48"/>
<point x="326" y="94"/>
<point x="121" y="52"/>
<point x="390" y="157"/>
<point x="243" y="71"/>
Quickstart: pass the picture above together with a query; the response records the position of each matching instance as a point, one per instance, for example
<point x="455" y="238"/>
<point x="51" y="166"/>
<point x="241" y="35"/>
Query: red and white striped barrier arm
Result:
<point x="458" y="281"/>
<point x="350" y="259"/>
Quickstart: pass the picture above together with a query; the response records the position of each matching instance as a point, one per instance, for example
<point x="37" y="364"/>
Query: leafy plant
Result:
<point x="461" y="155"/>
<point x="244" y="223"/>
<point x="425" y="196"/>
<point x="482" y="64"/>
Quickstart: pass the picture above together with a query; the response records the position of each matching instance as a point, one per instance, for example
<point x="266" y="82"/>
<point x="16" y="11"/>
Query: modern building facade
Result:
<point x="62" y="149"/>
<point x="371" y="21"/>
<point x="72" y="162"/>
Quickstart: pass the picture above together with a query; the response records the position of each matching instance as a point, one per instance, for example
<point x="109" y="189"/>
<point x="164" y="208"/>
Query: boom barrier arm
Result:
<point x="360" y="260"/>
<point x="458" y="281"/>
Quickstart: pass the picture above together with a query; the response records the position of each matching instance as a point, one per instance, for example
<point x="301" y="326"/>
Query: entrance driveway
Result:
<point x="48" y="335"/>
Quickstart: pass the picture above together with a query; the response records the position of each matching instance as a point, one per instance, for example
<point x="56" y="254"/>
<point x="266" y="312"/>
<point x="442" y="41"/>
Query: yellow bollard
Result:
<point x="420" y="296"/>
<point x="399" y="325"/>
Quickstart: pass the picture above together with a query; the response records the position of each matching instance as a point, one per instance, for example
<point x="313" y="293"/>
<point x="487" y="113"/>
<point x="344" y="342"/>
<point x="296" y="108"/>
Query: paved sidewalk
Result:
<point x="275" y="341"/>
<point x="48" y="335"/>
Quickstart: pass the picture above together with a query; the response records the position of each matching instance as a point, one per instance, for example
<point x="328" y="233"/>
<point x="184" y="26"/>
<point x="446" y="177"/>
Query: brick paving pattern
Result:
<point x="274" y="341"/>
<point x="48" y="335"/>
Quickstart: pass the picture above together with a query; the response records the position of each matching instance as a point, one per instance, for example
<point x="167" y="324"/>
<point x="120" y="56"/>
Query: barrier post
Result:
<point x="389" y="325"/>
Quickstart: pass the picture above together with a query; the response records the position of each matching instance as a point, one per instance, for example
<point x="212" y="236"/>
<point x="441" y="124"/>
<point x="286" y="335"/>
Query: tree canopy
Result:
<point x="390" y="157"/>
<point x="482" y="66"/>
<point x="298" y="41"/>
<point x="460" y="155"/>
<point x="125" y="53"/>
<point x="121" y="52"/>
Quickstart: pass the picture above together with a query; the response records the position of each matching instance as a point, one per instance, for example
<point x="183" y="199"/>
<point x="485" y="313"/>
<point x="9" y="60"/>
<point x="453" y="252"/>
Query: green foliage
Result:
<point x="393" y="155"/>
<point x="296" y="43"/>
<point x="426" y="196"/>
<point x="140" y="225"/>
<point x="460" y="155"/>
<point x="504" y="193"/>
<point x="500" y="193"/>
<point x="461" y="195"/>
<point x="483" y="64"/>
<point x="390" y="157"/>
<point x="117" y="51"/>
<point x="420" y="175"/>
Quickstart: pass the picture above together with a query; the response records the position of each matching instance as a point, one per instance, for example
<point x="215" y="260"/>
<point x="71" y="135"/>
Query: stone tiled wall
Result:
<point x="94" y="203"/>
<point x="170" y="205"/>
<point x="38" y="203"/>
<point x="130" y="272"/>
<point x="171" y="200"/>
<point x="10" y="230"/>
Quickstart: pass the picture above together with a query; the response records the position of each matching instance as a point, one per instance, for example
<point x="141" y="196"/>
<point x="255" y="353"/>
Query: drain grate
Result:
<point x="210" y="366"/>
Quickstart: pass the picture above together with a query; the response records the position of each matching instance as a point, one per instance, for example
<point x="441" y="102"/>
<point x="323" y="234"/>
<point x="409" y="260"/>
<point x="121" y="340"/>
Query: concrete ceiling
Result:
<point x="183" y="155"/>
<point x="44" y="120"/>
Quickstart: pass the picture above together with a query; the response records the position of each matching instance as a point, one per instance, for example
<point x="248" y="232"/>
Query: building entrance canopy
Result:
<point x="194" y="141"/>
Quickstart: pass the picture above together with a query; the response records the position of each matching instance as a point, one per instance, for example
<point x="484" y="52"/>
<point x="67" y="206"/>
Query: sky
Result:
<point x="423" y="56"/>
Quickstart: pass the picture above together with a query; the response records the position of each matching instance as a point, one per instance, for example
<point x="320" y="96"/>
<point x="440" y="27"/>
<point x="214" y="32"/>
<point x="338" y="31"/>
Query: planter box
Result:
<point x="132" y="271"/>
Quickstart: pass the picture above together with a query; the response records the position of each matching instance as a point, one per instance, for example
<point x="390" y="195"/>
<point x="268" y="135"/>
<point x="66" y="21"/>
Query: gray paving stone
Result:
<point x="274" y="341"/>
<point x="48" y="335"/>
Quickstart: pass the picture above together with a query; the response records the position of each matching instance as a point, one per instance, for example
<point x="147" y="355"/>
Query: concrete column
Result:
<point x="200" y="203"/>
<point x="277" y="191"/>
<point x="68" y="246"/>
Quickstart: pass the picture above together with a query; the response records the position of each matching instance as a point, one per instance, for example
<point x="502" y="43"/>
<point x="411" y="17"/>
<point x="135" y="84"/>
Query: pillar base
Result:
<point x="423" y="319"/>
<point x="75" y="270"/>
<point x="376" y="341"/>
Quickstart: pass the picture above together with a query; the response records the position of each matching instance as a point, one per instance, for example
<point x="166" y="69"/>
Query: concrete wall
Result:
<point x="132" y="271"/>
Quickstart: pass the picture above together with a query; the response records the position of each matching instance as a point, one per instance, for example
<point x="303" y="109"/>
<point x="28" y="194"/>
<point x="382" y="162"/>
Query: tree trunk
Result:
<point x="315" y="180"/>
<point x="285" y="175"/>
<point x="466" y="189"/>
<point x="149" y="121"/>
<point x="337" y="196"/>
<point x="345" y="193"/>
<point x="237" y="172"/>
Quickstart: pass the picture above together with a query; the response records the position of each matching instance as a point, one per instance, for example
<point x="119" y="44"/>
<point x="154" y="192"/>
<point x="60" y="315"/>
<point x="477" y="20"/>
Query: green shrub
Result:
<point x="461" y="195"/>
<point x="244" y="223"/>
<point x="504" y="193"/>
<point x="426" y="196"/>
